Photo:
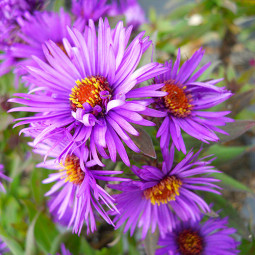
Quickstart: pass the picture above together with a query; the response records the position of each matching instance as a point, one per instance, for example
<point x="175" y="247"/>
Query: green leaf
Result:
<point x="72" y="243"/>
<point x="150" y="242"/>
<point x="45" y="231"/>
<point x="30" y="239"/>
<point x="224" y="154"/>
<point x="58" y="4"/>
<point x="230" y="183"/>
<point x="14" y="246"/>
<point x="235" y="129"/>
<point x="144" y="142"/>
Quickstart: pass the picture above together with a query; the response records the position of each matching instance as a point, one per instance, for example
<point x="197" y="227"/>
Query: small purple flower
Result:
<point x="212" y="236"/>
<point x="88" y="91"/>
<point x="3" y="177"/>
<point x="132" y="11"/>
<point x="185" y="101"/>
<point x="163" y="194"/>
<point x="34" y="31"/>
<point x="76" y="192"/>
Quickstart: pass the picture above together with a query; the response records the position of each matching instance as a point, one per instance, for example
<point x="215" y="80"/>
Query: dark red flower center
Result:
<point x="89" y="90"/>
<point x="72" y="171"/>
<point x="190" y="242"/>
<point x="165" y="191"/>
<point x="177" y="101"/>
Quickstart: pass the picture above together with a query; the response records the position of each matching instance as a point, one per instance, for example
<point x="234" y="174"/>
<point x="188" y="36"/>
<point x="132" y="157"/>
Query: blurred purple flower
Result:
<point x="89" y="9"/>
<point x="162" y="195"/>
<point x="11" y="12"/>
<point x="212" y="236"/>
<point x="3" y="247"/>
<point x="87" y="91"/>
<point x="34" y="31"/>
<point x="185" y="100"/>
<point x="64" y="251"/>
<point x="131" y="9"/>
<point x="3" y="177"/>
<point x="76" y="193"/>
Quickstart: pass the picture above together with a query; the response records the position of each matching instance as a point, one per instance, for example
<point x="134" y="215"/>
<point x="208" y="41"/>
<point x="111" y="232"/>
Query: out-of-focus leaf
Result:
<point x="44" y="230"/>
<point x="6" y="120"/>
<point x="230" y="183"/>
<point x="151" y="52"/>
<point x="150" y="242"/>
<point x="72" y="243"/>
<point x="247" y="247"/>
<point x="224" y="154"/>
<point x="14" y="246"/>
<point x="58" y="4"/>
<point x="240" y="101"/>
<point x="144" y="142"/>
<point x="235" y="129"/>
<point x="38" y="188"/>
<point x="230" y="5"/>
<point x="30" y="239"/>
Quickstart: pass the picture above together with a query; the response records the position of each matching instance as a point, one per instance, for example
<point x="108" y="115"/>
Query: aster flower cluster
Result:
<point x="85" y="105"/>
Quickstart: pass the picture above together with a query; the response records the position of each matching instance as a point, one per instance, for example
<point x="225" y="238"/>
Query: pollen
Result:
<point x="72" y="171"/>
<point x="190" y="242"/>
<point x="177" y="101"/>
<point x="166" y="190"/>
<point x="88" y="91"/>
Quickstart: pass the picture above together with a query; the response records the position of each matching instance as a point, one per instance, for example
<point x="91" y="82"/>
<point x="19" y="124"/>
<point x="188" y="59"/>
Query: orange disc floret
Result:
<point x="166" y="190"/>
<point x="177" y="101"/>
<point x="72" y="171"/>
<point x="190" y="242"/>
<point x="88" y="91"/>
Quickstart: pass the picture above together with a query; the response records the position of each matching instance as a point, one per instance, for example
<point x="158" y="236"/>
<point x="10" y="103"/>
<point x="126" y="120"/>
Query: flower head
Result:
<point x="212" y="236"/>
<point x="185" y="99"/>
<point x="76" y="196"/>
<point x="87" y="91"/>
<point x="162" y="195"/>
<point x="3" y="177"/>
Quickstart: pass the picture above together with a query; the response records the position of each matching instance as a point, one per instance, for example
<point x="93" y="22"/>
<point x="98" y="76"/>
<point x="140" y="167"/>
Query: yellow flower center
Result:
<point x="88" y="91"/>
<point x="166" y="190"/>
<point x="190" y="243"/>
<point x="177" y="101"/>
<point x="72" y="171"/>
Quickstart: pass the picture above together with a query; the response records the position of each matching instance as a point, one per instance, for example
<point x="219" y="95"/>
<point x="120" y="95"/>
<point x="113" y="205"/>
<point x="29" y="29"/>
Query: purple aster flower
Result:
<point x="89" y="91"/>
<point x="132" y="11"/>
<point x="185" y="101"/>
<point x="34" y="31"/>
<point x="160" y="195"/>
<point x="3" y="177"/>
<point x="76" y="186"/>
<point x="212" y="236"/>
